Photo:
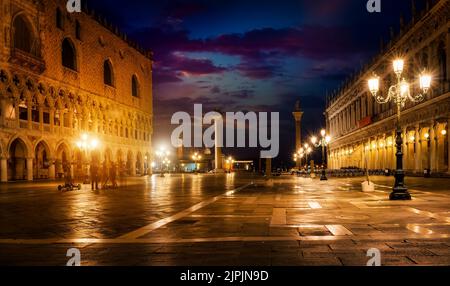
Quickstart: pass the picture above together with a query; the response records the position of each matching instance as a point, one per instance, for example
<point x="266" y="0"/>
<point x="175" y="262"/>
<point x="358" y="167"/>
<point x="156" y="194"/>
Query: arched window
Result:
<point x="59" y="19"/>
<point x="108" y="74"/>
<point x="134" y="86"/>
<point x="24" y="39"/>
<point x="69" y="56"/>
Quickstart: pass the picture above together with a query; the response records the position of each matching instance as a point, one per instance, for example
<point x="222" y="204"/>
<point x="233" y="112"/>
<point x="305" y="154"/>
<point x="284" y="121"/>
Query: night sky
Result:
<point x="253" y="55"/>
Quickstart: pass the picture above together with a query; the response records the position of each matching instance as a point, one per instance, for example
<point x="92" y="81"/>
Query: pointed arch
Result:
<point x="69" y="54"/>
<point x="135" y="87"/>
<point x="108" y="73"/>
<point x="24" y="35"/>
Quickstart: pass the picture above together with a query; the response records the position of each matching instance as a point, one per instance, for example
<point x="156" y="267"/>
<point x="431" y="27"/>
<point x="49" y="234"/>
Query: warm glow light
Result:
<point x="79" y="144"/>
<point x="306" y="145"/>
<point x="322" y="132"/>
<point x="412" y="138"/>
<point x="425" y="82"/>
<point x="94" y="143"/>
<point x="404" y="88"/>
<point x="309" y="150"/>
<point x="398" y="66"/>
<point x="426" y="135"/>
<point x="374" y="85"/>
<point x="84" y="136"/>
<point x="153" y="164"/>
<point x="314" y="139"/>
<point x="444" y="132"/>
<point x="328" y="139"/>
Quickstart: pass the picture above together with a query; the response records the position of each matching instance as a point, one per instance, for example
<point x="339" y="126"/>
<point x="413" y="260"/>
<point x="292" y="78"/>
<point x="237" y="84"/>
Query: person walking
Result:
<point x="105" y="175"/>
<point x="94" y="176"/>
<point x="113" y="175"/>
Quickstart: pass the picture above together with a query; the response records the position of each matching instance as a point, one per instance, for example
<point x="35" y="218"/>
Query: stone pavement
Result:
<point x="229" y="220"/>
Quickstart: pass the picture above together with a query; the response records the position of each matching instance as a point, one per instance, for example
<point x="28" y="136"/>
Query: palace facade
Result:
<point x="64" y="78"/>
<point x="364" y="130"/>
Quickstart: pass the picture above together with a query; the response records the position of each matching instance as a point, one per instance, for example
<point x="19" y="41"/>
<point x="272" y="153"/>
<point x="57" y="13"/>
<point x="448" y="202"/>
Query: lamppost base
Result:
<point x="400" y="194"/>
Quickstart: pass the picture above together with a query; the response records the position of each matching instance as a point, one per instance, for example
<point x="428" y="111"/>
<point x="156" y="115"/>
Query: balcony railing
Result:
<point x="27" y="60"/>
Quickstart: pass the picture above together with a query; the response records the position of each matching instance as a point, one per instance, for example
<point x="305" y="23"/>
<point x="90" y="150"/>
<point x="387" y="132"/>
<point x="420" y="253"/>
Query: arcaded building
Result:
<point x="364" y="129"/>
<point x="67" y="81"/>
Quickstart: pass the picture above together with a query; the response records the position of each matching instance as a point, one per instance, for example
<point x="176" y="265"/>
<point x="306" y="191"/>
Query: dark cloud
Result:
<point x="259" y="49"/>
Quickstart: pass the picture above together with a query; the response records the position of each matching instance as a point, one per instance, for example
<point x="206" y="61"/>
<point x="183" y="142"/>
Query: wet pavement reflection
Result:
<point x="227" y="219"/>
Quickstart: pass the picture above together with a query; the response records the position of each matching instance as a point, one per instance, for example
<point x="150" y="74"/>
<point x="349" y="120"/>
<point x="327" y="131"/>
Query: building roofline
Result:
<point x="113" y="28"/>
<point x="395" y="39"/>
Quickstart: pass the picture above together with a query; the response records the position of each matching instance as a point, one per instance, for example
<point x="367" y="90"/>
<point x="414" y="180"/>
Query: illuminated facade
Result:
<point x="63" y="75"/>
<point x="363" y="129"/>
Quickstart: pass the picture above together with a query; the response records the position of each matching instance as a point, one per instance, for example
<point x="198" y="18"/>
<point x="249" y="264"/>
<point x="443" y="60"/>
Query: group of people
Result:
<point x="106" y="174"/>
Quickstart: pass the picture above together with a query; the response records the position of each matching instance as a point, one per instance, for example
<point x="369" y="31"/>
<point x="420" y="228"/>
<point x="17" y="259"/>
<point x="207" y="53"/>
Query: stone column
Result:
<point x="29" y="169"/>
<point x="298" y="114"/>
<point x="41" y="118"/>
<point x="52" y="119"/>
<point x="385" y="153"/>
<point x="268" y="167"/>
<point x="3" y="170"/>
<point x="218" y="138"/>
<point x="61" y="120"/>
<point x="433" y="147"/>
<point x="3" y="113"/>
<point x="29" y="113"/>
<point x="71" y="121"/>
<point x="405" y="149"/>
<point x="418" y="154"/>
<point x="440" y="149"/>
<point x="51" y="169"/>
<point x="142" y="168"/>
<point x="448" y="144"/>
<point x="133" y="167"/>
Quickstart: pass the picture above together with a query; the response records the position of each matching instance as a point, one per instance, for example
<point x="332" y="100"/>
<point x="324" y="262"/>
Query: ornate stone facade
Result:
<point x="63" y="75"/>
<point x="363" y="129"/>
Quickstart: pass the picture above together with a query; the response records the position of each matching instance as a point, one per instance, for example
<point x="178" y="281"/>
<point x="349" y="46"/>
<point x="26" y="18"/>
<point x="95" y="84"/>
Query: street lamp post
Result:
<point x="307" y="150"/>
<point x="230" y="162"/>
<point x="163" y="155"/>
<point x="323" y="142"/>
<point x="399" y="94"/>
<point x="196" y="157"/>
<point x="86" y="144"/>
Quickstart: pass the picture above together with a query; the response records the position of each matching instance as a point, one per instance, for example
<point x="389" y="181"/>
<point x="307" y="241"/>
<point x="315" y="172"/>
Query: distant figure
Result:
<point x="94" y="176"/>
<point x="113" y="175"/>
<point x="67" y="173"/>
<point x="105" y="175"/>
